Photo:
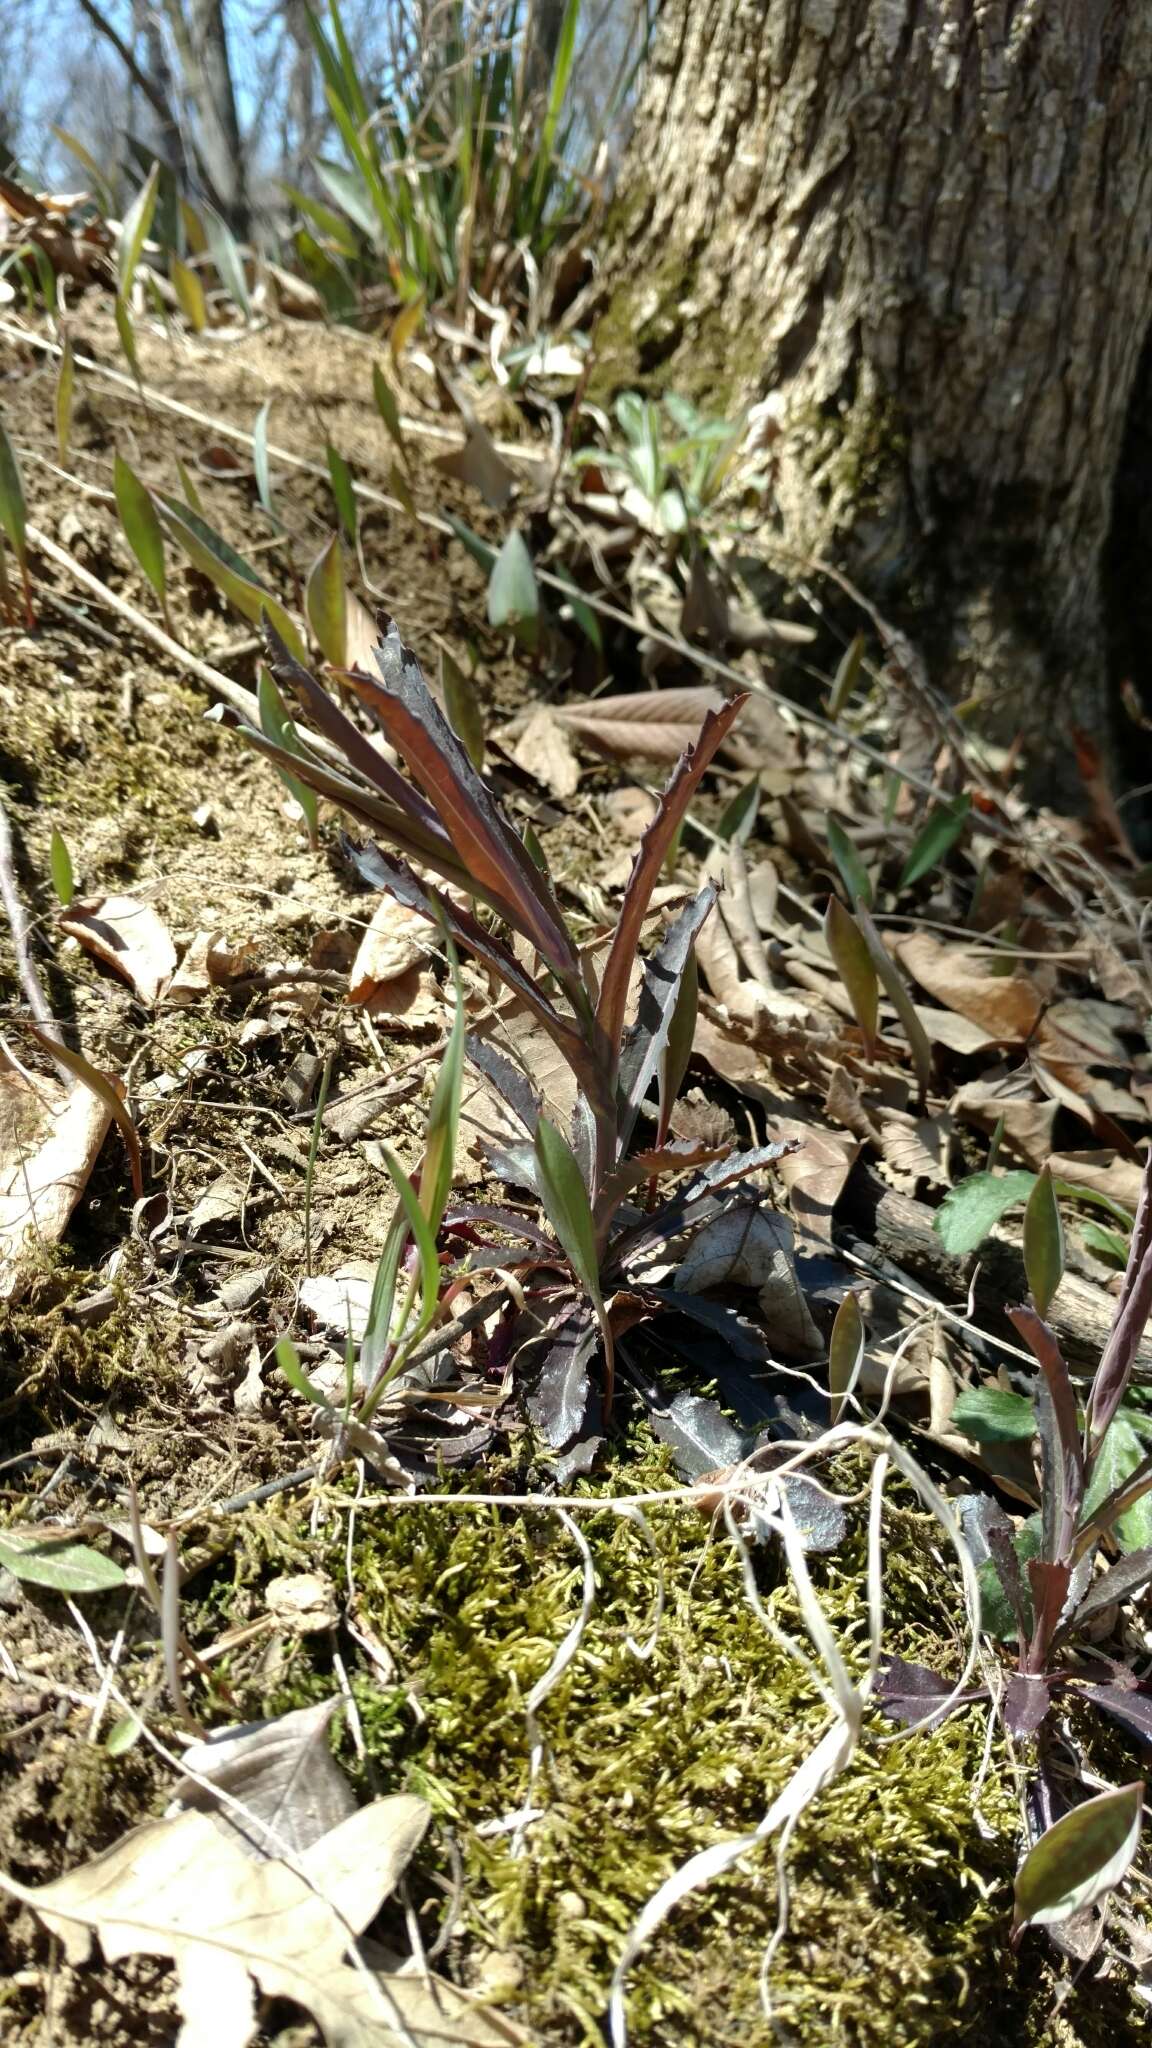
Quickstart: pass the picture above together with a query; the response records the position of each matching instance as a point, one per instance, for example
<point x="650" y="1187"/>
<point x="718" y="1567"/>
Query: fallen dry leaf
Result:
<point x="753" y="1247"/>
<point x="395" y="940"/>
<point x="479" y="465"/>
<point x="210" y="961"/>
<point x="127" y="935"/>
<point x="183" y="1890"/>
<point x="815" y="1175"/>
<point x="1028" y="1122"/>
<point x="1105" y="1172"/>
<point x="648" y="725"/>
<point x="281" y="1771"/>
<point x="49" y="1141"/>
<point x="544" y="751"/>
<point x="1006" y="1005"/>
<point x="304" y="1602"/>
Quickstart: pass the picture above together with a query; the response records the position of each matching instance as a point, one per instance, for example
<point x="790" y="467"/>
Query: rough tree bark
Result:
<point x="924" y="227"/>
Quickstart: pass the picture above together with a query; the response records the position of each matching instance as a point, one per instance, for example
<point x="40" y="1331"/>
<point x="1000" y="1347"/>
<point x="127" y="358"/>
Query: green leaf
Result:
<point x="463" y="707"/>
<point x="425" y="1240"/>
<point x="1108" y="1244"/>
<point x="480" y="550"/>
<point x="853" y="962"/>
<point x="845" y="1354"/>
<point x="853" y="873"/>
<point x="737" y="820"/>
<point x="513" y="598"/>
<point x="991" y="1415"/>
<point x="229" y="263"/>
<point x="844" y="681"/>
<point x="134" y="230"/>
<point x="444" y="1115"/>
<point x="996" y="1616"/>
<point x="1079" y="1859"/>
<point x="103" y="190"/>
<point x="1121" y="1451"/>
<point x="1043" y="1242"/>
<point x="215" y="559"/>
<point x="681" y="1036"/>
<point x="189" y="292"/>
<point x="387" y="407"/>
<point x="288" y="1359"/>
<point x="941" y="830"/>
<point x="260" y="460"/>
<point x="64" y="1567"/>
<point x="351" y="193"/>
<point x="127" y="334"/>
<point x="123" y="1735"/>
<point x="343" y="492"/>
<point x="137" y="510"/>
<point x="326" y="602"/>
<point x="13" y="516"/>
<point x="972" y="1209"/>
<point x="276" y="724"/>
<point x="65" y="387"/>
<point x="568" y="1207"/>
<point x="582" y="612"/>
<point x="60" y="865"/>
<point x="192" y="498"/>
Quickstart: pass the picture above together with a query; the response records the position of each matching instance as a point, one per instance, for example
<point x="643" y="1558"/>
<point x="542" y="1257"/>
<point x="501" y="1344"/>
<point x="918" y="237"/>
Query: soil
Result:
<point x="132" y="1352"/>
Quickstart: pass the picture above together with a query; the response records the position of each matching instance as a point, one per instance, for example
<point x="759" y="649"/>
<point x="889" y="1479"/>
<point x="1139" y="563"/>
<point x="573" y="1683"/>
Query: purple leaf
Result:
<point x="1026" y="1702"/>
<point x="1062" y="1459"/>
<point x="659" y="988"/>
<point x="1130" y="1705"/>
<point x="1132" y="1312"/>
<point x="743" y="1339"/>
<point x="697" y="1201"/>
<point x="910" y="1692"/>
<point x="1123" y="1579"/>
<point x="501" y="867"/>
<point x="559" y="1398"/>
<point x="650" y="858"/>
<point x="493" y="1212"/>
<point x="511" y="1085"/>
<point x="700" y="1435"/>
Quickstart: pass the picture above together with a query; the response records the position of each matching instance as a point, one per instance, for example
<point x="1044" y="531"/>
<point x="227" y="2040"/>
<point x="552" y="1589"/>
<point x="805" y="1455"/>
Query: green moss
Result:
<point x="900" y="1895"/>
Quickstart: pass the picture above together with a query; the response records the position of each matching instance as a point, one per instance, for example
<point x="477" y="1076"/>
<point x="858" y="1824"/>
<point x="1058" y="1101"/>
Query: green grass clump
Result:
<point x="901" y="1897"/>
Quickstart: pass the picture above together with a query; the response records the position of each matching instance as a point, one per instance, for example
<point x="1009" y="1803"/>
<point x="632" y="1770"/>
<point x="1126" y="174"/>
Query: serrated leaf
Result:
<point x="681" y="1036"/>
<point x="845" y="1354"/>
<point x="1079" y="1859"/>
<point x="326" y="603"/>
<point x="134" y="230"/>
<point x="853" y="872"/>
<point x="941" y="830"/>
<point x="1122" y="1450"/>
<point x="513" y="596"/>
<point x="971" y="1210"/>
<point x="853" y="963"/>
<point x="1043" y="1242"/>
<point x="343" y="491"/>
<point x="992" y="1415"/>
<point x="463" y="707"/>
<point x="189" y="295"/>
<point x="64" y="1567"/>
<point x="558" y="1398"/>
<point x="138" y="516"/>
<point x="65" y="388"/>
<point x="60" y="866"/>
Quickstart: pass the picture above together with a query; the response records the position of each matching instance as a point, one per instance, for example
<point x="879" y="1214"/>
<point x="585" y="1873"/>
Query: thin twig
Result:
<point x="26" y="973"/>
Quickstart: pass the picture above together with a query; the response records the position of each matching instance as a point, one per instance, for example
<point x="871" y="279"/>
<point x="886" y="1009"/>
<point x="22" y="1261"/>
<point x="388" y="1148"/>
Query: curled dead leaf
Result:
<point x="127" y="934"/>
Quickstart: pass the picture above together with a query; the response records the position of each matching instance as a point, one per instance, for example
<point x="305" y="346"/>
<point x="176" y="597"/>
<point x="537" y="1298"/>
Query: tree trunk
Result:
<point x="201" y="38"/>
<point x="924" y="228"/>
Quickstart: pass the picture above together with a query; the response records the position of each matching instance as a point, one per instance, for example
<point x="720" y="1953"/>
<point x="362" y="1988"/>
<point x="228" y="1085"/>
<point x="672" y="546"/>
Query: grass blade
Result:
<point x="137" y="510"/>
<point x="853" y="963"/>
<point x="326" y="603"/>
<point x="343" y="492"/>
<point x="134" y="230"/>
<point x="65" y="388"/>
<point x="60" y="868"/>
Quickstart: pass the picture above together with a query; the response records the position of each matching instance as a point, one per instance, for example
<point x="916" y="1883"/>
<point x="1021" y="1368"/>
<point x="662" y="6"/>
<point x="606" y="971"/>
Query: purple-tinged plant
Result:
<point x="1048" y="1578"/>
<point x="445" y="822"/>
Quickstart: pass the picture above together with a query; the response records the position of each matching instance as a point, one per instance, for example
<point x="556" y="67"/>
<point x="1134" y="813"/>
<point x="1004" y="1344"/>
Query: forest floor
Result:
<point x="140" y="1348"/>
